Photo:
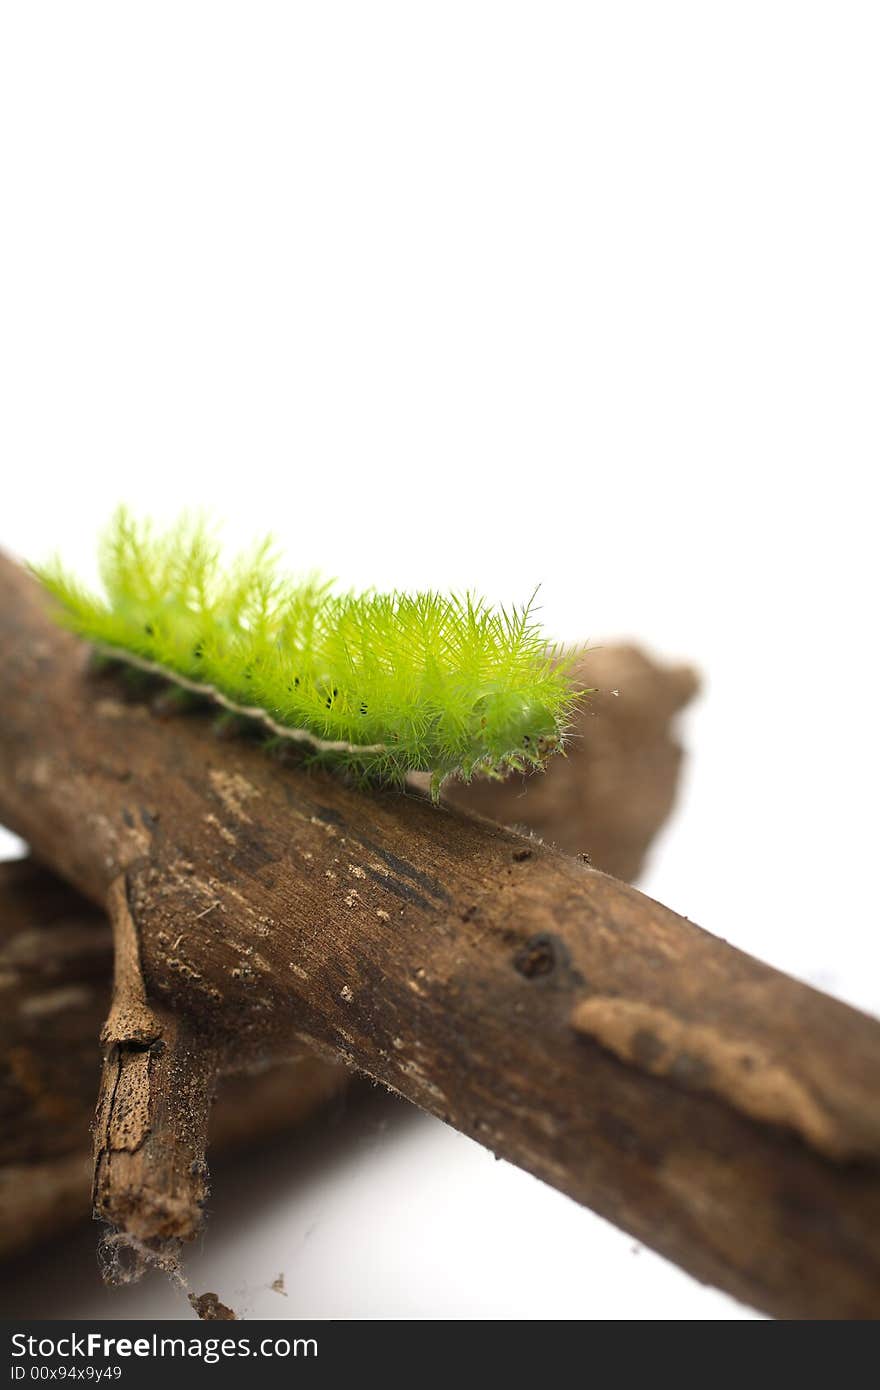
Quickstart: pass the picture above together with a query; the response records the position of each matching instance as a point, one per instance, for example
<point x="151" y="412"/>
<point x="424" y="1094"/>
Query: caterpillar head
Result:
<point x="511" y="726"/>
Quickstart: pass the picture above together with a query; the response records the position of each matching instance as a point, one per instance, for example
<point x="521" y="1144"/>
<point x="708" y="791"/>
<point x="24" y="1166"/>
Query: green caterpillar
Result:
<point x="380" y="685"/>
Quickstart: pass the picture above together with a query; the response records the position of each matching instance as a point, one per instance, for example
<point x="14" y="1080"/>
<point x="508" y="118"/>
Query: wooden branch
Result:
<point x="56" y="957"/>
<point x="55" y="965"/>
<point x="719" y="1111"/>
<point x="55" y="968"/>
<point x="617" y="784"/>
<point x="151" y="1128"/>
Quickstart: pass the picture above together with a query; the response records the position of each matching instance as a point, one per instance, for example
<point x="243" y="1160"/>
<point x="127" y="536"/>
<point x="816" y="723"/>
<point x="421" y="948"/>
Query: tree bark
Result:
<point x="56" y="951"/>
<point x="56" y="960"/>
<point x="714" y="1108"/>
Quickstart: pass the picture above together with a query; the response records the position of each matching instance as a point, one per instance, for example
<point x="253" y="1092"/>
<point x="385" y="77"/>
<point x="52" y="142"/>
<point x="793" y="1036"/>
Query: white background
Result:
<point x="484" y="294"/>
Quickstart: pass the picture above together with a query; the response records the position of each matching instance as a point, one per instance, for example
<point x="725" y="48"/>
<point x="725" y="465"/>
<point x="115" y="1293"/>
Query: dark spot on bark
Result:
<point x="400" y="867"/>
<point x="150" y="821"/>
<point x="799" y="1212"/>
<point x="128" y="818"/>
<point x="689" y="1070"/>
<point x="520" y="855"/>
<point x="400" y="890"/>
<point x="406" y="870"/>
<point x="536" y="958"/>
<point x="250" y="853"/>
<point x="646" y="1047"/>
<point x="626" y="1140"/>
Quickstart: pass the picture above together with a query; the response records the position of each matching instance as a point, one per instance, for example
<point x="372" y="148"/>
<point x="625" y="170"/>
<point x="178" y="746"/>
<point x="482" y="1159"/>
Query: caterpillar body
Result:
<point x="380" y="685"/>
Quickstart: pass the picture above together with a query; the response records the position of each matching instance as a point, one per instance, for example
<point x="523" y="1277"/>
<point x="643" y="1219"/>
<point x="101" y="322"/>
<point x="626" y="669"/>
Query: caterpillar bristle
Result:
<point x="374" y="686"/>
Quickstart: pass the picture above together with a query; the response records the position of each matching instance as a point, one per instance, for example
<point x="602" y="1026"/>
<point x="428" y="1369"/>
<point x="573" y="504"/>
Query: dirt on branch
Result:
<point x="714" y="1108"/>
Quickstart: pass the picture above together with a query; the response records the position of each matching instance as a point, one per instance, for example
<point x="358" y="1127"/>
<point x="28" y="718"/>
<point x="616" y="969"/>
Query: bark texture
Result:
<point x="56" y="961"/>
<point x="716" y="1109"/>
<point x="56" y="952"/>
